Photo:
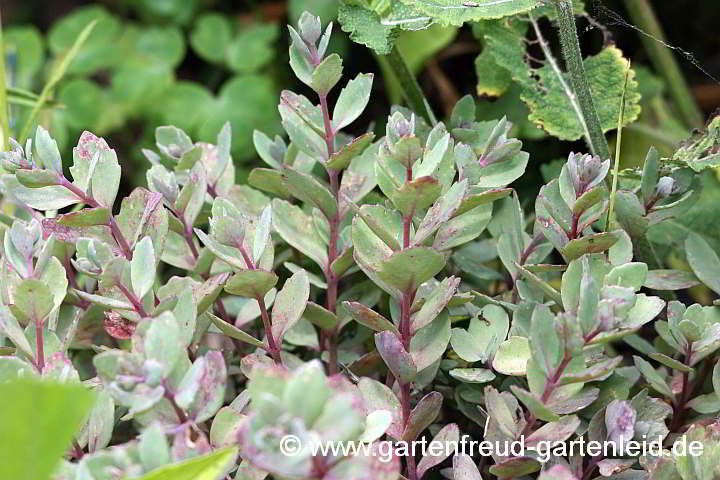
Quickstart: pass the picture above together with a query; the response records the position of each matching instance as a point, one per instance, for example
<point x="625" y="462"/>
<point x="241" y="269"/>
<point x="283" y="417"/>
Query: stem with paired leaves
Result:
<point x="405" y="336"/>
<point x="578" y="79"/>
<point x="90" y="200"/>
<point x="334" y="226"/>
<point x="273" y="347"/>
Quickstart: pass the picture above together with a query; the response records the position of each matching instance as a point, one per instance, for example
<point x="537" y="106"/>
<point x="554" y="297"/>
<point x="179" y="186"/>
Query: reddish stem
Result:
<point x="574" y="227"/>
<point x="267" y="324"/>
<point x="90" y="200"/>
<point x="182" y="416"/>
<point x="680" y="405"/>
<point x="405" y="337"/>
<point x="551" y="385"/>
<point x="272" y="346"/>
<point x="136" y="303"/>
<point x="39" y="346"/>
<point x="187" y="235"/>
<point x="407" y="219"/>
<point x="334" y="227"/>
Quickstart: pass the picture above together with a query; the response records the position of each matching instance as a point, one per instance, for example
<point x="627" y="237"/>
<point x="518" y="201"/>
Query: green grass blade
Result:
<point x="55" y="76"/>
<point x="618" y="144"/>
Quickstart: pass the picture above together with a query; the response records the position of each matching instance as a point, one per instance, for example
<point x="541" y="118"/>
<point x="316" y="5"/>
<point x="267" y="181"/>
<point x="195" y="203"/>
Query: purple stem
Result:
<point x="90" y="200"/>
<point x="334" y="227"/>
<point x="406" y="336"/>
<point x="267" y="324"/>
<point x="136" y="303"/>
<point x="39" y="346"/>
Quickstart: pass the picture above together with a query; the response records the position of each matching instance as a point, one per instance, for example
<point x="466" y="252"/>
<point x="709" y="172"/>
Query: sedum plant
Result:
<point x="380" y="289"/>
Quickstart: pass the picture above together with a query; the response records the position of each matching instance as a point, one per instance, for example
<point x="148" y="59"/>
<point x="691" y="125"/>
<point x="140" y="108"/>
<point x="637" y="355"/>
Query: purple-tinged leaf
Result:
<point x="424" y="413"/>
<point x="398" y="360"/>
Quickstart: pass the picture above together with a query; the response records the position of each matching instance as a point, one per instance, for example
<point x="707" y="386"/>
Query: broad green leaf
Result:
<point x="290" y="304"/>
<point x="46" y="198"/>
<point x="535" y="405"/>
<point x="211" y="36"/>
<point x="201" y="390"/>
<point x="430" y="342"/>
<point x="142" y="267"/>
<point x="472" y="375"/>
<point x="670" y="362"/>
<point x="545" y="343"/>
<point x="234" y="332"/>
<point x="365" y="27"/>
<point x="153" y="448"/>
<point x="512" y="356"/>
<point x="656" y="381"/>
<point x="320" y="316"/>
<point x="407" y="269"/>
<point x="162" y="342"/>
<point x="464" y="468"/>
<point x="208" y="467"/>
<point x="252" y="48"/>
<point x="37" y="178"/>
<point x="515" y="467"/>
<point x="424" y="413"/>
<point x="498" y="174"/>
<point x="27" y="43"/>
<point x="251" y="283"/>
<point x="463" y="228"/>
<point x="308" y="189"/>
<point x="493" y="81"/>
<point x="596" y="243"/>
<point x="464" y="345"/>
<point x="369" y="318"/>
<point x="414" y="196"/>
<point x="57" y="411"/>
<point x="10" y="328"/>
<point x="342" y="158"/>
<point x="649" y="175"/>
<point x="86" y="217"/>
<point x="631" y="275"/>
<point x="703" y="260"/>
<point x="352" y="101"/>
<point x="434" y="304"/>
<point x="385" y="223"/>
<point x="397" y="359"/>
<point x="326" y="74"/>
<point x="378" y="396"/>
<point x="295" y="227"/>
<point x="457" y="12"/>
<point x="97" y="432"/>
<point x="33" y="300"/>
<point x="302" y="134"/>
<point x="440" y="212"/>
<point x="670" y="280"/>
<point x="226" y="427"/>
<point x="262" y="233"/>
<point x="47" y="150"/>
<point x="546" y="89"/>
<point x="143" y="214"/>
